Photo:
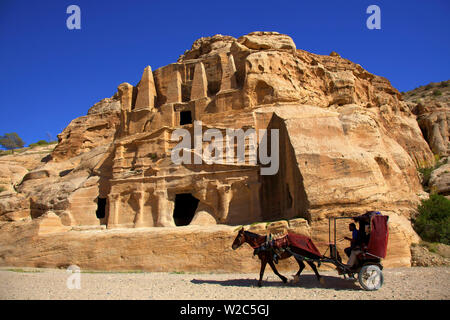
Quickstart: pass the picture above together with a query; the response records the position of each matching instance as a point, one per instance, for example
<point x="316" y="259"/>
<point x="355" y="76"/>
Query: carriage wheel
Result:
<point x="370" y="277"/>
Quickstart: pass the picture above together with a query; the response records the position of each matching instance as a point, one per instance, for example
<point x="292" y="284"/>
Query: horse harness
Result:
<point x="273" y="245"/>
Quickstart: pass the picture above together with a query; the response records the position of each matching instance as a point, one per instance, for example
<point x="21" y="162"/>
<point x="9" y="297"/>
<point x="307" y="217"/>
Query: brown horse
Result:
<point x="266" y="256"/>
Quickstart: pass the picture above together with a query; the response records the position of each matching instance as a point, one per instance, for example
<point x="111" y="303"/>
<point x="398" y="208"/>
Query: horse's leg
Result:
<point x="301" y="267"/>
<point x="261" y="272"/>
<point x="272" y="265"/>
<point x="319" y="277"/>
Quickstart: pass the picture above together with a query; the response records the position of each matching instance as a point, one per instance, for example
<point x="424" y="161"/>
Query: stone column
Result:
<point x="174" y="88"/>
<point x="200" y="83"/>
<point x="119" y="161"/>
<point x="114" y="205"/>
<point x="164" y="210"/>
<point x="139" y="219"/>
<point x="119" y="152"/>
<point x="228" y="73"/>
<point x="146" y="95"/>
<point x="126" y="95"/>
<point x="126" y="100"/>
<point x="225" y="196"/>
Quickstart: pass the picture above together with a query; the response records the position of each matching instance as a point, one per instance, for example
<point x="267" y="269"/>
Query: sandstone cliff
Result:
<point x="430" y="104"/>
<point x="347" y="143"/>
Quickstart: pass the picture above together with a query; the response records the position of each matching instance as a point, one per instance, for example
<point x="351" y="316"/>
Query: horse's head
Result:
<point x="240" y="239"/>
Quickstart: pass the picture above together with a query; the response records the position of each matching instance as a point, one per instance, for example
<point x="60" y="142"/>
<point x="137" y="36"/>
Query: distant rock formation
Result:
<point x="431" y="105"/>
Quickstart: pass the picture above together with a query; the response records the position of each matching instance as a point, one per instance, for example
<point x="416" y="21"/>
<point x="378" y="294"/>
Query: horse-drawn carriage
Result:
<point x="373" y="239"/>
<point x="372" y="246"/>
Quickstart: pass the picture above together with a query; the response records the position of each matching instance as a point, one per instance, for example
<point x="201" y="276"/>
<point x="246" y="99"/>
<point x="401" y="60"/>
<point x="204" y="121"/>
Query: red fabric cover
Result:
<point x="379" y="234"/>
<point x="303" y="242"/>
<point x="282" y="242"/>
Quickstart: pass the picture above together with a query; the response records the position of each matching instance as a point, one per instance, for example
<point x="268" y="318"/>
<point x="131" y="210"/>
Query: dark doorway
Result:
<point x="185" y="117"/>
<point x="185" y="206"/>
<point x="101" y="208"/>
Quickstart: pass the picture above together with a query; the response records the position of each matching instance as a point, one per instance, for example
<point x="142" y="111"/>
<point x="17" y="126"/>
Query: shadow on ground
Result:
<point x="306" y="281"/>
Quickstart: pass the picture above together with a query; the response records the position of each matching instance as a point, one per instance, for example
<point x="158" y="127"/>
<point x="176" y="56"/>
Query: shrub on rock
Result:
<point x="433" y="221"/>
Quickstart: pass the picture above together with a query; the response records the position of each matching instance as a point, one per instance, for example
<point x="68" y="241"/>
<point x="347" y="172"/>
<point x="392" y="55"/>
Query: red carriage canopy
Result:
<point x="378" y="236"/>
<point x="303" y="242"/>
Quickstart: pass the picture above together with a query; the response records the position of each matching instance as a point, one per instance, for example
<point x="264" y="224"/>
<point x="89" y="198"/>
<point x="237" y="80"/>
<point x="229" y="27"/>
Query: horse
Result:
<point x="256" y="240"/>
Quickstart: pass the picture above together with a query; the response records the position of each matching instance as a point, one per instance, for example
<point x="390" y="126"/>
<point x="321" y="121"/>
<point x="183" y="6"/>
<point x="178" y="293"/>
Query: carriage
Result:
<point x="373" y="230"/>
<point x="372" y="241"/>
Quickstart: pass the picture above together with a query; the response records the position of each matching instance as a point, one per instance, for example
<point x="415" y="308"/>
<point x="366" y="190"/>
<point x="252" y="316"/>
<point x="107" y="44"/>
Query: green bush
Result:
<point x="437" y="93"/>
<point x="41" y="143"/>
<point x="426" y="172"/>
<point x="433" y="221"/>
<point x="5" y="152"/>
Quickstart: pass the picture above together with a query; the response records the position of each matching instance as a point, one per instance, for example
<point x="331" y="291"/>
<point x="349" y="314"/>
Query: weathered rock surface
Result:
<point x="422" y="257"/>
<point x="347" y="144"/>
<point x="83" y="134"/>
<point x="50" y="223"/>
<point x="14" y="207"/>
<point x="435" y="125"/>
<point x="431" y="105"/>
<point x="188" y="248"/>
<point x="440" y="180"/>
<point x="10" y="176"/>
<point x="29" y="158"/>
<point x="267" y="40"/>
<point x="107" y="105"/>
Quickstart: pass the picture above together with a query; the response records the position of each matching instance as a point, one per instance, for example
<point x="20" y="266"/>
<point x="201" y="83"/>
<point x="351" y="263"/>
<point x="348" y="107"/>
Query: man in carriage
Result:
<point x="360" y="238"/>
<point x="353" y="240"/>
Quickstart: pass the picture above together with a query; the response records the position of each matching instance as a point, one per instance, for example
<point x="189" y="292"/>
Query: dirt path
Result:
<point x="400" y="283"/>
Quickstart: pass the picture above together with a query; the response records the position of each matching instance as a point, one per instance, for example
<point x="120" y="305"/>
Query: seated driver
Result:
<point x="353" y="239"/>
<point x="354" y="249"/>
<point x="353" y="257"/>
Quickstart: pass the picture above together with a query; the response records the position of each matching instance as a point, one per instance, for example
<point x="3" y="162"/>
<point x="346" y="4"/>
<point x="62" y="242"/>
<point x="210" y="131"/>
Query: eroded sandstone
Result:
<point x="347" y="144"/>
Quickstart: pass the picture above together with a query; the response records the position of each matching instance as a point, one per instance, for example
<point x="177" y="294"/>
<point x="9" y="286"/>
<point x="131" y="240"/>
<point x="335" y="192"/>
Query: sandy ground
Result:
<point x="401" y="283"/>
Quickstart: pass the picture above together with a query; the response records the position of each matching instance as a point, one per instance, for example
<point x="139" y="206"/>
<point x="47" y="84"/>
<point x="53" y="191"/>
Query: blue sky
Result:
<point x="51" y="75"/>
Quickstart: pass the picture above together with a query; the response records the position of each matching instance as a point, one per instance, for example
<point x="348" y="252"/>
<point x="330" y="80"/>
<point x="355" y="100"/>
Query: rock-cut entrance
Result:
<point x="185" y="206"/>
<point x="101" y="208"/>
